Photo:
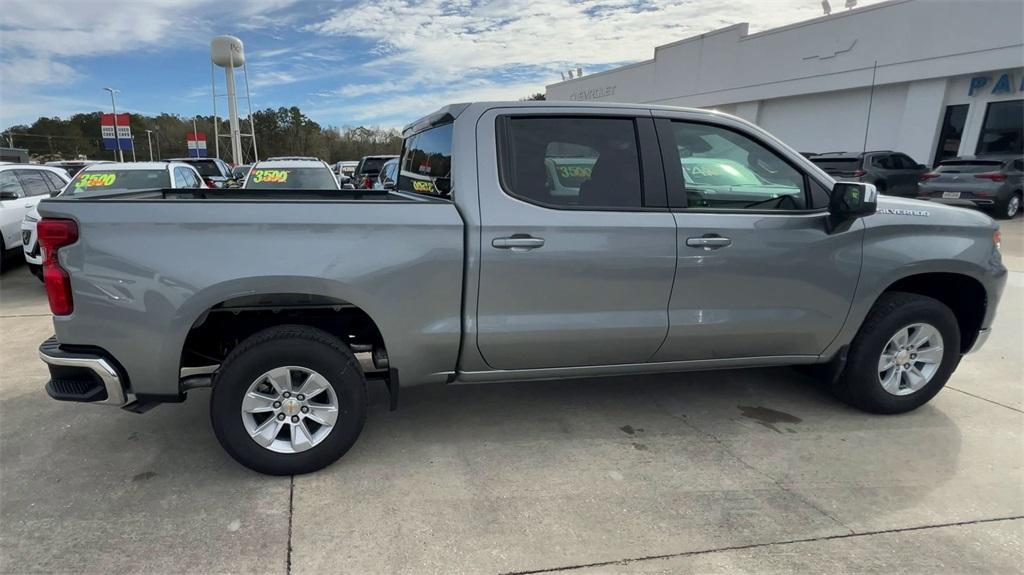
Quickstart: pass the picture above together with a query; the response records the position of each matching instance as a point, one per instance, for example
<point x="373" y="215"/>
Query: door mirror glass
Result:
<point x="8" y="195"/>
<point x="851" y="200"/>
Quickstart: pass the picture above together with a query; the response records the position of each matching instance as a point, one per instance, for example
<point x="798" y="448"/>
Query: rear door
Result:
<point x="577" y="245"/>
<point x="11" y="210"/>
<point x="759" y="274"/>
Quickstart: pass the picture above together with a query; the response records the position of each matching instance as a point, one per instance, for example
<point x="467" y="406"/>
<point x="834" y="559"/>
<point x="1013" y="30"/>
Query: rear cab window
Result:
<point x="571" y="162"/>
<point x="425" y="166"/>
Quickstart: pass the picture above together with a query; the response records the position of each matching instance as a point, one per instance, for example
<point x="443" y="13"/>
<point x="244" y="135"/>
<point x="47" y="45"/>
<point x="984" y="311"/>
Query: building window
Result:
<point x="1003" y="130"/>
<point x="952" y="132"/>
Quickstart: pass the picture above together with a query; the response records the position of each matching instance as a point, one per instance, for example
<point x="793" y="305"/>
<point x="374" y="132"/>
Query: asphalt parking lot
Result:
<point x="746" y="471"/>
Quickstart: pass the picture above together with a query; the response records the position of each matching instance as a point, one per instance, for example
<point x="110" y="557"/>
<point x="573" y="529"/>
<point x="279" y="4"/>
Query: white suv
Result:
<point x="22" y="186"/>
<point x="110" y="176"/>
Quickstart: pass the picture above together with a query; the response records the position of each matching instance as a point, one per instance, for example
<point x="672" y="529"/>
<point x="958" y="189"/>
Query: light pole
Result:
<point x="113" y="104"/>
<point x="158" y="156"/>
<point x="149" y="138"/>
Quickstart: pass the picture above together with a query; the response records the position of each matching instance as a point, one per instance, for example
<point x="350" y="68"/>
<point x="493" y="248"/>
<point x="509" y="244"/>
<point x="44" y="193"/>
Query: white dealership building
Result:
<point x="931" y="78"/>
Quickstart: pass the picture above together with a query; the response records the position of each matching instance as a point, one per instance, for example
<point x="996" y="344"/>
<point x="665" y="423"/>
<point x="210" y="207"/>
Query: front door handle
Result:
<point x="518" y="243"/>
<point x="709" y="242"/>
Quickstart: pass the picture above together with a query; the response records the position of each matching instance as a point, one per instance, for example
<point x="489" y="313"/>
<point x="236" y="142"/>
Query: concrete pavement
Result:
<point x="747" y="471"/>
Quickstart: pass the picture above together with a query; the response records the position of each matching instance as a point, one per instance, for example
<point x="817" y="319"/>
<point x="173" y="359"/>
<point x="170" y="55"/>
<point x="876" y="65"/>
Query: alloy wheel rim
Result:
<point x="289" y="409"/>
<point x="910" y="359"/>
<point x="1012" y="206"/>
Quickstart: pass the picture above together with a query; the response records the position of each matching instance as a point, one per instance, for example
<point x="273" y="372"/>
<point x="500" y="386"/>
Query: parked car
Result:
<point x="215" y="171"/>
<point x="891" y="172"/>
<point x="367" y="170"/>
<point x="388" y="176"/>
<point x="238" y="174"/>
<point x="994" y="183"/>
<point x="346" y="168"/>
<point x="291" y="175"/>
<point x="22" y="186"/>
<point x="473" y="271"/>
<point x="108" y="177"/>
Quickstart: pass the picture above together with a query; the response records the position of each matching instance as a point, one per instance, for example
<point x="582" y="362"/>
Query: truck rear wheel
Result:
<point x="903" y="355"/>
<point x="288" y="400"/>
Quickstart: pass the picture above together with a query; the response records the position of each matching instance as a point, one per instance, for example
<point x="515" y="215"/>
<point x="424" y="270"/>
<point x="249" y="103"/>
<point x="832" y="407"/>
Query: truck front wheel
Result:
<point x="902" y="356"/>
<point x="288" y="400"/>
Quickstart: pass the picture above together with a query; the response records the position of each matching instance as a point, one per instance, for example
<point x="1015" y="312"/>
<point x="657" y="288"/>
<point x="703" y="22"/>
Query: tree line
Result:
<point x="280" y="132"/>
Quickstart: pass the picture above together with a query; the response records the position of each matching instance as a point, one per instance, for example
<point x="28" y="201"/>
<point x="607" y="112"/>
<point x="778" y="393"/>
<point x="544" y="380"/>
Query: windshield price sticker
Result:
<point x="95" y="180"/>
<point x="270" y="176"/>
<point x="422" y="186"/>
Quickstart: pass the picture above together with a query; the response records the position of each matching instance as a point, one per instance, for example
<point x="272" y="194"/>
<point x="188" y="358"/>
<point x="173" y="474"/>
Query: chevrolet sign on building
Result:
<point x="927" y="78"/>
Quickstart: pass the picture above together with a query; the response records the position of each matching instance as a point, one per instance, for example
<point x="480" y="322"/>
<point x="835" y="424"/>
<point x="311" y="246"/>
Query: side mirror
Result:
<point x="9" y="196"/>
<point x="851" y="200"/>
<point x="388" y="184"/>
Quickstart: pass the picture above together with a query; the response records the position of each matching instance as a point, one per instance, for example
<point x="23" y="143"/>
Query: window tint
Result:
<point x="180" y="179"/>
<point x="9" y="183"/>
<point x="724" y="169"/>
<point x="56" y="184"/>
<point x="33" y="183"/>
<point x="426" y="163"/>
<point x="208" y="168"/>
<point x="1003" y="130"/>
<point x="571" y="162"/>
<point x="884" y="161"/>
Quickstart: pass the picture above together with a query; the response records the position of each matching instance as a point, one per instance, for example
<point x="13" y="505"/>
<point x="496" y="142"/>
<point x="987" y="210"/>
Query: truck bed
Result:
<point x="148" y="266"/>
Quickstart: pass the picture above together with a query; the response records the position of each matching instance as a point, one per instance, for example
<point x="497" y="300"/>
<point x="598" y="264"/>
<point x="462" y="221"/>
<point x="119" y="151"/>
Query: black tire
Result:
<point x="288" y="345"/>
<point x="37" y="270"/>
<point x="1002" y="208"/>
<point x="859" y="384"/>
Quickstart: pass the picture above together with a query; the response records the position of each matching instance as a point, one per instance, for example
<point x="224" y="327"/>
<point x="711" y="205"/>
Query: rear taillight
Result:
<point x="994" y="176"/>
<point x="859" y="174"/>
<point x="368" y="183"/>
<point x="928" y="176"/>
<point x="54" y="234"/>
<point x="209" y="182"/>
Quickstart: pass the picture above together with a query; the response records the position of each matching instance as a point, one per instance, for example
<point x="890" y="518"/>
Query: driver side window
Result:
<point x="723" y="169"/>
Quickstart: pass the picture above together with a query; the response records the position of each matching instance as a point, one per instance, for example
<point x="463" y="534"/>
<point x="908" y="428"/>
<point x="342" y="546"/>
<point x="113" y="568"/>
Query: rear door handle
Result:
<point x="709" y="242"/>
<point x="518" y="243"/>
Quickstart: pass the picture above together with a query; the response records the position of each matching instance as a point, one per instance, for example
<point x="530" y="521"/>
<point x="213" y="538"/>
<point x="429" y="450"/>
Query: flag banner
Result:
<point x="124" y="131"/>
<point x="196" y="144"/>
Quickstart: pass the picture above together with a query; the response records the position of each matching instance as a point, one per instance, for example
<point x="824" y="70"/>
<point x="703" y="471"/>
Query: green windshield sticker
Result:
<point x="270" y="176"/>
<point x="95" y="180"/>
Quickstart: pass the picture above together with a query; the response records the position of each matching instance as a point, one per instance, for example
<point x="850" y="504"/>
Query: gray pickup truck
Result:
<point x="522" y="241"/>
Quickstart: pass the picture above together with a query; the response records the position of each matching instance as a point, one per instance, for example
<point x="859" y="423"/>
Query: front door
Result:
<point x="759" y="274"/>
<point x="577" y="247"/>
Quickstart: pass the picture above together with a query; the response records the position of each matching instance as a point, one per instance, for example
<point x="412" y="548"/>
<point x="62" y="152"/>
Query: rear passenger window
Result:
<point x="570" y="162"/>
<point x="56" y="183"/>
<point x="426" y="163"/>
<point x="727" y="170"/>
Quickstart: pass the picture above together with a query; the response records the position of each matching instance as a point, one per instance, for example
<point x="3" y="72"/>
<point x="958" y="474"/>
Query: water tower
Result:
<point x="228" y="52"/>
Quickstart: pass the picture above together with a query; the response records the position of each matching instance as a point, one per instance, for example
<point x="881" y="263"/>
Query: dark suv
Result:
<point x="368" y="170"/>
<point x="215" y="171"/>
<point x="891" y="172"/>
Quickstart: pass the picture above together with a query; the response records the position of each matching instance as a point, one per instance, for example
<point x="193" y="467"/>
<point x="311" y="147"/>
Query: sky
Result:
<point x="344" y="63"/>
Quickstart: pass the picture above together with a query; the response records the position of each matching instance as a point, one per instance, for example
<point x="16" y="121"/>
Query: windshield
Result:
<point x="118" y="180"/>
<point x="206" y="168"/>
<point x="291" y="179"/>
<point x="372" y="165"/>
<point x="968" y="166"/>
<point x="713" y="172"/>
<point x="837" y="164"/>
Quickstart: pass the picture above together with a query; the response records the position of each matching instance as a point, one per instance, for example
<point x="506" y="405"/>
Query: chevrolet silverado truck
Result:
<point x="522" y="241"/>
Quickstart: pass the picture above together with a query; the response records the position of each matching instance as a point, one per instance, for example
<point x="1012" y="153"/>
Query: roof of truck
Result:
<point x="280" y="164"/>
<point x="127" y="166"/>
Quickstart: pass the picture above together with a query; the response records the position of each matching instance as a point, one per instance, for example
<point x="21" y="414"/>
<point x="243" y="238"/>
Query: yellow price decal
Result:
<point x="575" y="171"/>
<point x="95" y="180"/>
<point x="422" y="186"/>
<point x="270" y="176"/>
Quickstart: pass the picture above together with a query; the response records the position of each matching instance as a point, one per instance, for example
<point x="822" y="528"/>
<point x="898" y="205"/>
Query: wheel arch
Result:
<point x="964" y="295"/>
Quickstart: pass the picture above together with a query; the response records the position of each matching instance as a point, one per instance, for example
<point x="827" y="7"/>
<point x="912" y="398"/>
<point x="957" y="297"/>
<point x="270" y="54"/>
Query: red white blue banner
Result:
<point x="196" y="144"/>
<point x="124" y="131"/>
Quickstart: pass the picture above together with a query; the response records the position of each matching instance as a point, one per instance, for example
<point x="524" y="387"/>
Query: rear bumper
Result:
<point x="83" y="376"/>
